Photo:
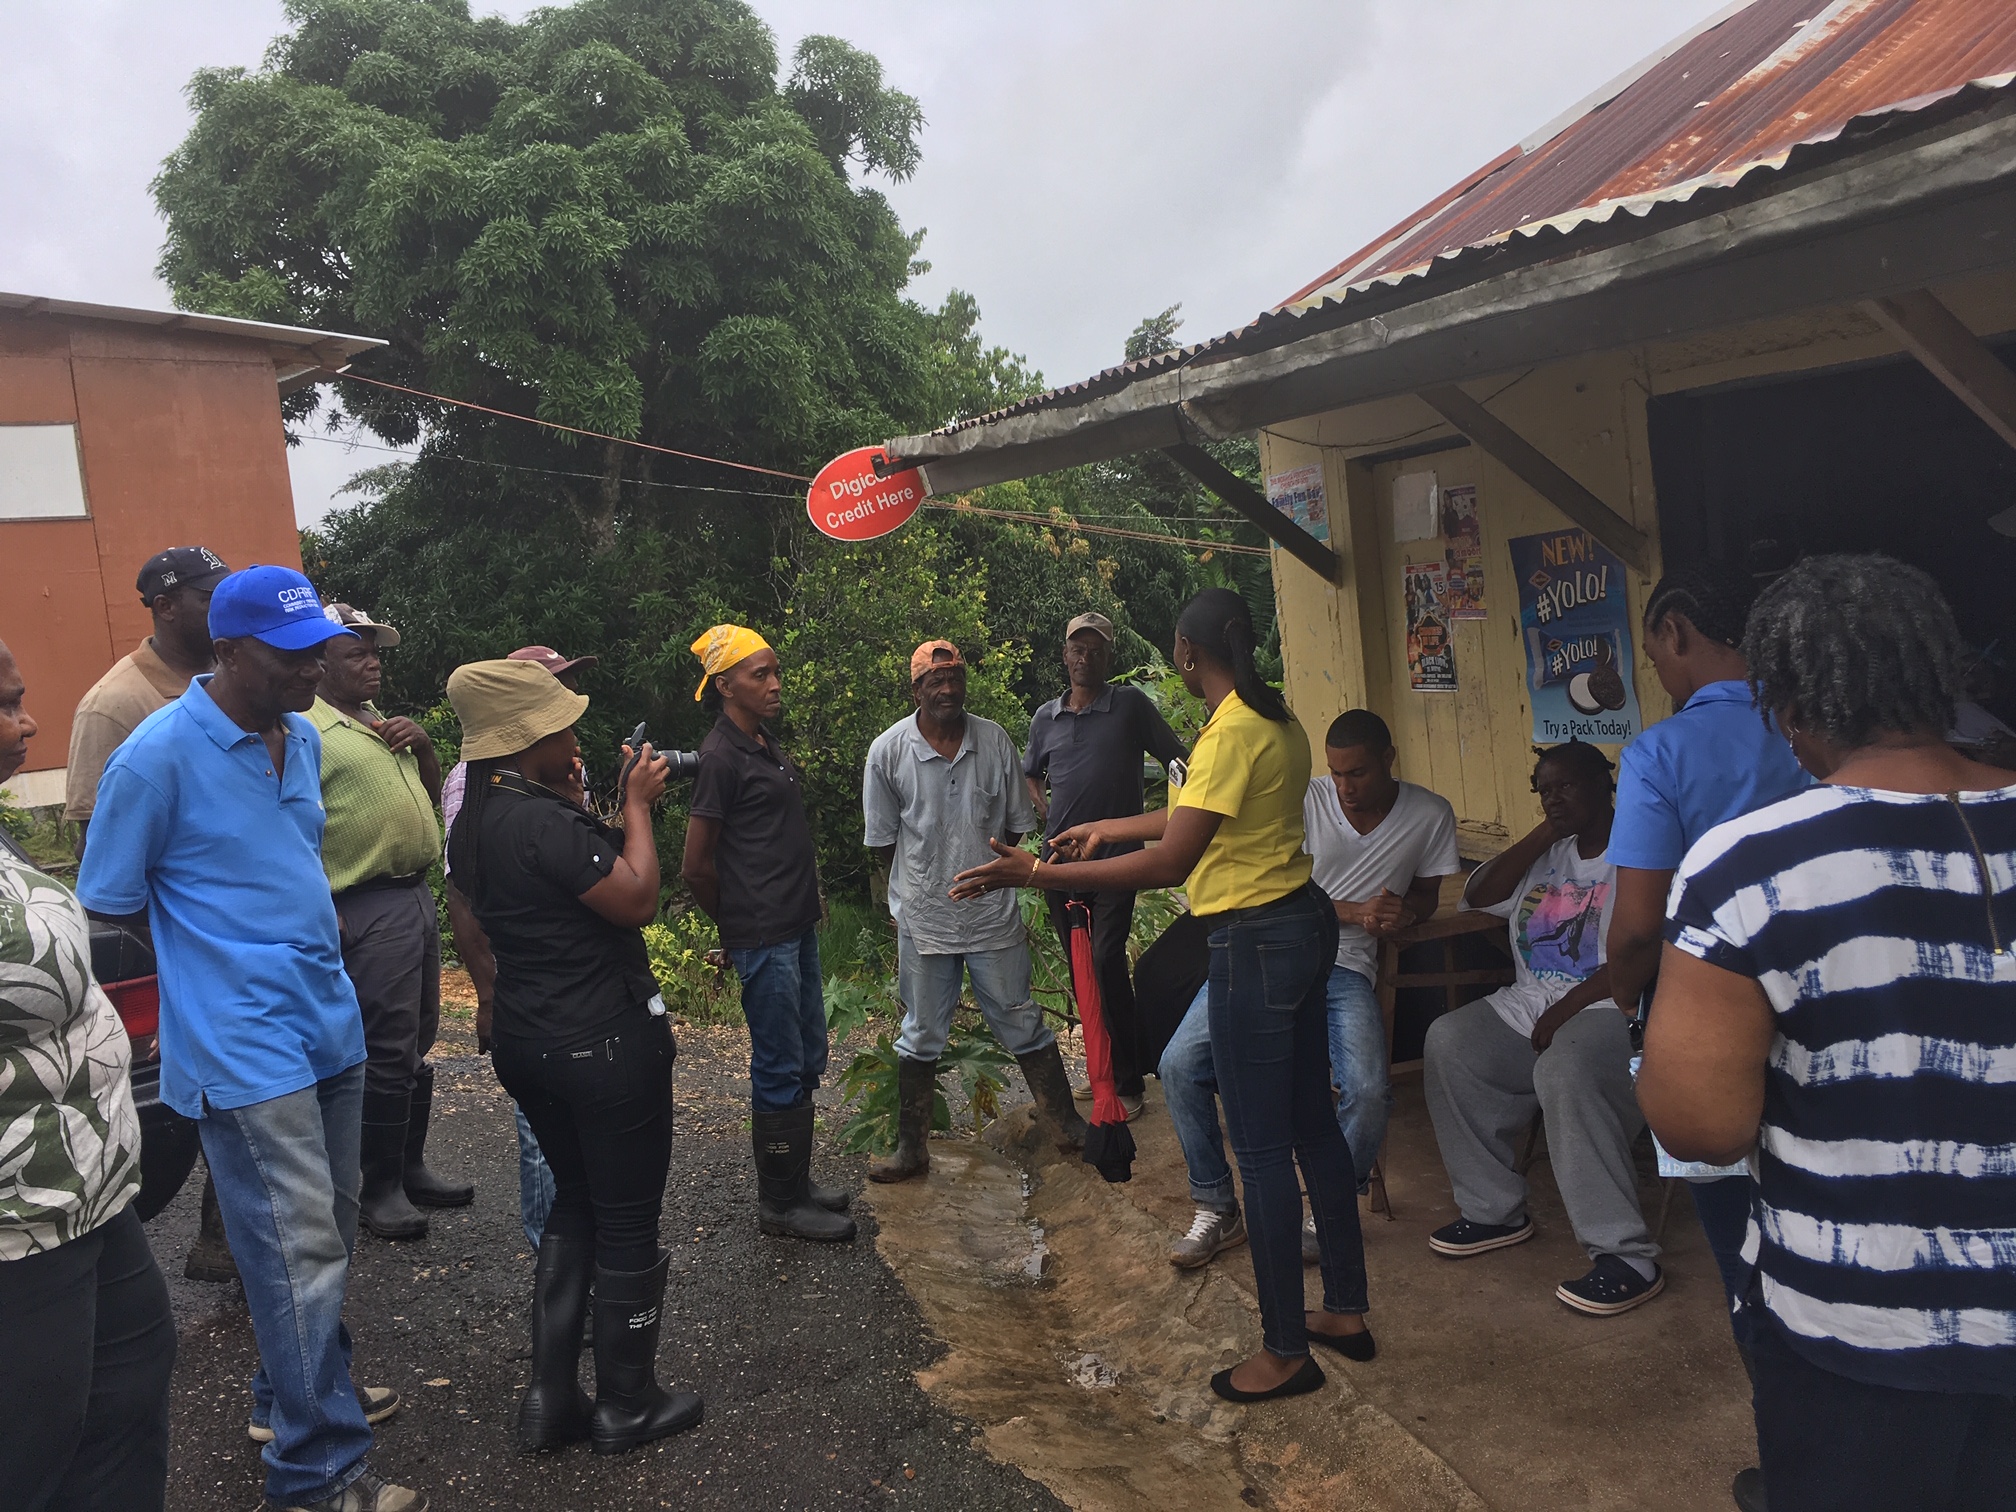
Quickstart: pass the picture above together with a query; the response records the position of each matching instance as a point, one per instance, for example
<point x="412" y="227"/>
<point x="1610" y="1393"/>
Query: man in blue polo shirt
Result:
<point x="209" y="824"/>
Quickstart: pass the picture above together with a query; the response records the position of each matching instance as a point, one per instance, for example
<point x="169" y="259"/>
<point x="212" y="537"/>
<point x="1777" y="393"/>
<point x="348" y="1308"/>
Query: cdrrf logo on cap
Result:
<point x="299" y="601"/>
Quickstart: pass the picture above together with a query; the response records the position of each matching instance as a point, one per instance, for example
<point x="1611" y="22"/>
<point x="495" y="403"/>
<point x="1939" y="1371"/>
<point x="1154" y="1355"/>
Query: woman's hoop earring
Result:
<point x="1190" y="666"/>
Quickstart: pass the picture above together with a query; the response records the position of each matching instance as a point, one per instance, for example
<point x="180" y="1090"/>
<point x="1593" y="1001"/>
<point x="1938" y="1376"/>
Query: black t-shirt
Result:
<point x="1092" y="757"/>
<point x="564" y="973"/>
<point x="769" y="881"/>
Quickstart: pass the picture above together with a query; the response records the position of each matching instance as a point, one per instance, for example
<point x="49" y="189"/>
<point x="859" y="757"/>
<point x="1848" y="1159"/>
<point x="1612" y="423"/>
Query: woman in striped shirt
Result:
<point x="1837" y="1000"/>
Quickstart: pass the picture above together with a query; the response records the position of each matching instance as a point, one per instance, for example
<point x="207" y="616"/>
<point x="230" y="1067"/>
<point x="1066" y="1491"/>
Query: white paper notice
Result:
<point x="1416" y="506"/>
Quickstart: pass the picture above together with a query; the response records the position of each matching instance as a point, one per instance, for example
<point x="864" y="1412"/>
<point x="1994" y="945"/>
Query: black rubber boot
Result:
<point x="423" y="1186"/>
<point x="1044" y="1071"/>
<point x="784" y="1206"/>
<point x="916" y="1097"/>
<point x="631" y="1408"/>
<point x="210" y="1256"/>
<point x="555" y="1411"/>
<point x="382" y="1203"/>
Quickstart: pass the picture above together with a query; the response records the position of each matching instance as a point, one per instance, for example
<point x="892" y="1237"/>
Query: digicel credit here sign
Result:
<point x="849" y="503"/>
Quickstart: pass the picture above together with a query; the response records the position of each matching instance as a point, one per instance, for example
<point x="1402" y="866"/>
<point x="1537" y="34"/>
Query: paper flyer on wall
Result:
<point x="1298" y="494"/>
<point x="1414" y="497"/>
<point x="1431" y="655"/>
<point x="1576" y="625"/>
<point x="1463" y="546"/>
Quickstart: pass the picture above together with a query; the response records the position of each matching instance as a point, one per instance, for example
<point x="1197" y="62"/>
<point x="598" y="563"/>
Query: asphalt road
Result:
<point x="804" y="1353"/>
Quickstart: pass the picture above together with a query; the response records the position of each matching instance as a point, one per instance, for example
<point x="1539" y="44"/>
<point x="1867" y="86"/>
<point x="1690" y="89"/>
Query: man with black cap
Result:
<point x="175" y="586"/>
<point x="380" y="782"/>
<point x="1087" y="745"/>
<point x="211" y="828"/>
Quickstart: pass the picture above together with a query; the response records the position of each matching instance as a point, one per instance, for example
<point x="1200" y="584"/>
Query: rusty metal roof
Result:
<point x="1760" y="86"/>
<point x="1738" y="94"/>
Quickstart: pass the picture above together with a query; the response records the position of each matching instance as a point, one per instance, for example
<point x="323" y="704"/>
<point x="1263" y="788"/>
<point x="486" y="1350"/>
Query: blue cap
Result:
<point x="274" y="604"/>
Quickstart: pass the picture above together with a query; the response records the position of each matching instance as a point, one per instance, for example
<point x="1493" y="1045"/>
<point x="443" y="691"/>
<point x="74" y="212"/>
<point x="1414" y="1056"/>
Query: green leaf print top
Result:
<point x="69" y="1138"/>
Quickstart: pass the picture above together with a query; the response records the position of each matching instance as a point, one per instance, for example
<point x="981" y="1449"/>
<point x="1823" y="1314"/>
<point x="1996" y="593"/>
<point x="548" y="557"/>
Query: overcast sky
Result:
<point x="1086" y="162"/>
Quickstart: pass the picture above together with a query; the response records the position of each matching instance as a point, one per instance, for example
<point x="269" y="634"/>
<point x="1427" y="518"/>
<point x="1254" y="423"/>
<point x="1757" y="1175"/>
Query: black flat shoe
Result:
<point x="1353" y="1346"/>
<point x="1309" y="1378"/>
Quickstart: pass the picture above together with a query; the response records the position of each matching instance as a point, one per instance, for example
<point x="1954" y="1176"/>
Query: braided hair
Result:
<point x="1714" y="597"/>
<point x="1581" y="758"/>
<point x="1218" y="623"/>
<point x="1851" y="646"/>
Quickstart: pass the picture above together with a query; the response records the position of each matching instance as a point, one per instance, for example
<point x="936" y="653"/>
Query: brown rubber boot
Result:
<point x="210" y="1256"/>
<point x="917" y="1098"/>
<point x="1044" y="1071"/>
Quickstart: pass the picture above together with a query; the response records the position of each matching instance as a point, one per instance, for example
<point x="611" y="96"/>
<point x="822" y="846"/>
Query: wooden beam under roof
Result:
<point x="1533" y="468"/>
<point x="1251" y="503"/>
<point x="1952" y="353"/>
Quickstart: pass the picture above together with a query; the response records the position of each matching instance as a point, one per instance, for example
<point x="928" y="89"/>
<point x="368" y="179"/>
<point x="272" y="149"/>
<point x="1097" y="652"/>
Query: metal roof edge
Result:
<point x="184" y="320"/>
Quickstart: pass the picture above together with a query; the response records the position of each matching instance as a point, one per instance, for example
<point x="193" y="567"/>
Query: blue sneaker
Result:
<point x="1611" y="1287"/>
<point x="1463" y="1238"/>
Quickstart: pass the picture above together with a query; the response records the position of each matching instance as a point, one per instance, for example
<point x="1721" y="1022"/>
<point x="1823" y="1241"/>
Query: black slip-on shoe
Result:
<point x="1748" y="1491"/>
<point x="1611" y="1287"/>
<point x="1309" y="1378"/>
<point x="1463" y="1237"/>
<point x="1353" y="1346"/>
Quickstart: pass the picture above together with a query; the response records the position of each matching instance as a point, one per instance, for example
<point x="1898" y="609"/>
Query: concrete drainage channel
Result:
<point x="1085" y="1357"/>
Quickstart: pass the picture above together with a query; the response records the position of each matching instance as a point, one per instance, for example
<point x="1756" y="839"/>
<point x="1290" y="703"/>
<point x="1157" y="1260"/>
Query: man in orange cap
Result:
<point x="939" y="785"/>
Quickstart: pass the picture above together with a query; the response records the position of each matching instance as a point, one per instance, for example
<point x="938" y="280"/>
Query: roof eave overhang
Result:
<point x="1898" y="217"/>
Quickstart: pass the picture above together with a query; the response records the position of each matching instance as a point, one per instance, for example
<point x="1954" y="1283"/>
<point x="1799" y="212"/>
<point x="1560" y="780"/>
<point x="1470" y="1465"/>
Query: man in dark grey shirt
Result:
<point x="1088" y="745"/>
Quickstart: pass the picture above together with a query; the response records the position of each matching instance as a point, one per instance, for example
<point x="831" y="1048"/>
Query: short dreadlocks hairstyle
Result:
<point x="1851" y="646"/>
<point x="1580" y="757"/>
<point x="1715" y="597"/>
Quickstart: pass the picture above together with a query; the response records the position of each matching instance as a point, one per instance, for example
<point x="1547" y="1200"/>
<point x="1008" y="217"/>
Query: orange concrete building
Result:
<point x="124" y="432"/>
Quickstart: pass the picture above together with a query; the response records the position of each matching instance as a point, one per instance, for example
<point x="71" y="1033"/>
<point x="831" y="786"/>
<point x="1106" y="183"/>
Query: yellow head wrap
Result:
<point x="722" y="647"/>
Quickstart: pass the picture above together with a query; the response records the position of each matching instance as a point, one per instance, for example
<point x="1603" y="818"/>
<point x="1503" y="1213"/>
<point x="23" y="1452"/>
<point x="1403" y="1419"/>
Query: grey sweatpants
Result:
<point x="1484" y="1081"/>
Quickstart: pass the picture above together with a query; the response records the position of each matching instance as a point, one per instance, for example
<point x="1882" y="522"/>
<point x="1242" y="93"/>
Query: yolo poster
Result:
<point x="1576" y="626"/>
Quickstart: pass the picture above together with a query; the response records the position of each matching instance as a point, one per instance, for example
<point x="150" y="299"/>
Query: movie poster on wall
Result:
<point x="1463" y="547"/>
<point x="1431" y="652"/>
<point x="1575" y="622"/>
<point x="1298" y="494"/>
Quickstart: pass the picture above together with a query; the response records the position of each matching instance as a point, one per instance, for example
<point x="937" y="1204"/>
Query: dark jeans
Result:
<point x="1270" y="1043"/>
<point x="784" y="1000"/>
<point x="1112" y="918"/>
<point x="392" y="955"/>
<point x="602" y="1111"/>
<point x="86" y="1345"/>
<point x="1829" y="1444"/>
<point x="1723" y="1206"/>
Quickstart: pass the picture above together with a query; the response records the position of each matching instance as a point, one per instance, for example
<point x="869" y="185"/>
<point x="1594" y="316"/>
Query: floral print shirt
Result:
<point x="69" y="1138"/>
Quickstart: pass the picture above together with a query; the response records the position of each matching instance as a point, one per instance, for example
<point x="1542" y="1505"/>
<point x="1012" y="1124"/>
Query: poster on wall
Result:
<point x="1576" y="626"/>
<point x="1431" y="653"/>
<point x="1463" y="546"/>
<point x="1414" y="496"/>
<point x="1298" y="494"/>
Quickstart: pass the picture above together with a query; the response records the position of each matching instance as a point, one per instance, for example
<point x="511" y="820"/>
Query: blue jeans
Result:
<point x="1723" y="1206"/>
<point x="1358" y="1065"/>
<point x="1190" y="1092"/>
<point x="535" y="1181"/>
<point x="287" y="1181"/>
<point x="1269" y="1029"/>
<point x="929" y="987"/>
<point x="784" y="1000"/>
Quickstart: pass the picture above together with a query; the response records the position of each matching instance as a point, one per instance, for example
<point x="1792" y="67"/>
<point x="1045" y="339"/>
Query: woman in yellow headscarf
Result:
<point x="750" y="865"/>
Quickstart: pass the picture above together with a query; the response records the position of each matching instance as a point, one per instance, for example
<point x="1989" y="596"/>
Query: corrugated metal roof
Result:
<point x="1764" y="84"/>
<point x="321" y="351"/>
<point x="1738" y="95"/>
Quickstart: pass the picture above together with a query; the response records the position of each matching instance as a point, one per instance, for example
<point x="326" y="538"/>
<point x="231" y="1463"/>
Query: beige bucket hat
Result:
<point x="507" y="706"/>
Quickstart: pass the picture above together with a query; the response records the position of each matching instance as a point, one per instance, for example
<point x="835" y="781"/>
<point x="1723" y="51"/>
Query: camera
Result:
<point x="682" y="764"/>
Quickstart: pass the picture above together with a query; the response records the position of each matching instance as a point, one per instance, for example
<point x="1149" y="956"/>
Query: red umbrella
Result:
<point x="1109" y="1144"/>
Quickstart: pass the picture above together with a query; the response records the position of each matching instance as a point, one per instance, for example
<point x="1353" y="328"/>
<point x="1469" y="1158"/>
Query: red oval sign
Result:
<point x="850" y="503"/>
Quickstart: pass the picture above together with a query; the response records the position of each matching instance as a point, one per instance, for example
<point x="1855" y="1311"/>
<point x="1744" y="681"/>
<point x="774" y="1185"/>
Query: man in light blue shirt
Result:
<point x="937" y="786"/>
<point x="209" y="825"/>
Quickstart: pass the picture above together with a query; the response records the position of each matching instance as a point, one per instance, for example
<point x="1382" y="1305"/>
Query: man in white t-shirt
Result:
<point x="1380" y="848"/>
<point x="1553" y="1042"/>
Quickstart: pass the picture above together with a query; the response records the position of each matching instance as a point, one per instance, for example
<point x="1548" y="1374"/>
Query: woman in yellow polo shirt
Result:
<point x="1232" y="839"/>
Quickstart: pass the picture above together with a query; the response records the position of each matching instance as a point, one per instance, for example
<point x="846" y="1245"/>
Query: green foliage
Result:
<point x="851" y="1001"/>
<point x="693" y="990"/>
<point x="42" y="833"/>
<point x="870" y="1083"/>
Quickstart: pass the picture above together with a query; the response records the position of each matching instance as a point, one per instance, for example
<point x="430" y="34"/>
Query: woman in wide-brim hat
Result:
<point x="579" y="1039"/>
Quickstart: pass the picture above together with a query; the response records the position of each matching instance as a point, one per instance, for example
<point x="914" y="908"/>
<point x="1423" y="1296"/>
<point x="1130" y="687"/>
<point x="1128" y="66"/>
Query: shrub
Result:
<point x="694" y="989"/>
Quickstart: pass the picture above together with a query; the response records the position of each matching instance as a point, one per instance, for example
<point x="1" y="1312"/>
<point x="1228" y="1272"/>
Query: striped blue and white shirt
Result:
<point x="1882" y="928"/>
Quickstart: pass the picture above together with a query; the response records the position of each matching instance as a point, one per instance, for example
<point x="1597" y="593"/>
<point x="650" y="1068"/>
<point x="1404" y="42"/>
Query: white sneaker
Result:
<point x="1211" y="1234"/>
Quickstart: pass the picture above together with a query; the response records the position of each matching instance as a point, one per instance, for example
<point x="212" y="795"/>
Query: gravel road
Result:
<point x="805" y="1354"/>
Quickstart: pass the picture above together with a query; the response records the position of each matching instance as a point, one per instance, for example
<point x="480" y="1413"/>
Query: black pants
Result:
<point x="1829" y="1444"/>
<point x="86" y="1346"/>
<point x="602" y="1113"/>
<point x="1112" y="918"/>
